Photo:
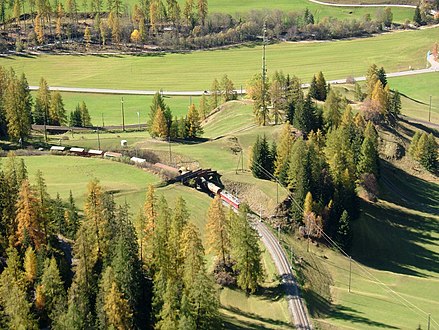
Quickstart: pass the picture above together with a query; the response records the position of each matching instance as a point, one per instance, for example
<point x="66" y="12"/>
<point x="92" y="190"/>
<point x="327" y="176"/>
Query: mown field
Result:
<point x="417" y="91"/>
<point x="196" y="70"/>
<point x="266" y="309"/>
<point x="106" y="109"/>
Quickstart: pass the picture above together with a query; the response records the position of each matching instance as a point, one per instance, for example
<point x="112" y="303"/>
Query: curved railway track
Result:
<point x="296" y="305"/>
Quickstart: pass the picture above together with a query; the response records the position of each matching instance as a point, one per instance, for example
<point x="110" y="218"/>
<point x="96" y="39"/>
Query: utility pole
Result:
<point x="264" y="76"/>
<point x="103" y="123"/>
<point x="45" y="124"/>
<point x="138" y="119"/>
<point x="123" y="115"/>
<point x="99" y="140"/>
<point x="429" y="110"/>
<point x="350" y="272"/>
<point x="170" y="152"/>
<point x="428" y="324"/>
<point x="242" y="161"/>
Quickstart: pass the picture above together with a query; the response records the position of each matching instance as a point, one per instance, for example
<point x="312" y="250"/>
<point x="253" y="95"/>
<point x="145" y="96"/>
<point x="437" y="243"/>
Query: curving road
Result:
<point x="296" y="305"/>
<point x="434" y="66"/>
<point x="360" y="5"/>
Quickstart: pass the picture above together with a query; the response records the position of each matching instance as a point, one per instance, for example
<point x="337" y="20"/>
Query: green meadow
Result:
<point x="106" y="109"/>
<point x="196" y="70"/>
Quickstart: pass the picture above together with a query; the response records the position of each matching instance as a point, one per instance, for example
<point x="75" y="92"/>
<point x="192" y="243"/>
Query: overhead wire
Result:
<point x="408" y="304"/>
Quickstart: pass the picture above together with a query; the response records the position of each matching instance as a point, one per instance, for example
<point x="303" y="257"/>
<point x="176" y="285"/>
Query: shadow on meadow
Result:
<point x="387" y="238"/>
<point x="399" y="187"/>
<point x="321" y="306"/>
<point x="231" y="322"/>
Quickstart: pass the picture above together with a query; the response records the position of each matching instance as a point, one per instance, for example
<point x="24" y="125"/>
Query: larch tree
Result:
<point x="85" y="116"/>
<point x="180" y="217"/>
<point x="150" y="218"/>
<point x="203" y="107"/>
<point x="281" y="163"/>
<point x="332" y="109"/>
<point x="17" y="103"/>
<point x="87" y="38"/>
<point x="28" y="217"/>
<point x="30" y="265"/>
<point x="57" y="112"/>
<point x="159" y="126"/>
<point x="118" y="314"/>
<point x="42" y="104"/>
<point x="217" y="230"/>
<point x="203" y="8"/>
<point x="259" y="93"/>
<point x="194" y="128"/>
<point x="215" y="93"/>
<point x="371" y="79"/>
<point x="227" y="88"/>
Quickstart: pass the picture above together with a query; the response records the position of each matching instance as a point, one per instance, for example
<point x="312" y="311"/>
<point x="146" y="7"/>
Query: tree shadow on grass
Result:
<point x="320" y="306"/>
<point x="272" y="293"/>
<point x="401" y="188"/>
<point x="390" y="239"/>
<point x="231" y="322"/>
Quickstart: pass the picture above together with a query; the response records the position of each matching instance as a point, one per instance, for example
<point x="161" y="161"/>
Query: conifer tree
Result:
<point x="282" y="153"/>
<point x="262" y="161"/>
<point x="158" y="102"/>
<point x="321" y="87"/>
<point x="227" y="88"/>
<point x="150" y="218"/>
<point x="194" y="128"/>
<point x="203" y="107"/>
<point x="57" y="113"/>
<point x="313" y="92"/>
<point x="332" y="109"/>
<point x="259" y="93"/>
<point x="17" y="103"/>
<point x="53" y="290"/>
<point x="180" y="217"/>
<point x="371" y="79"/>
<point x="16" y="309"/>
<point x="217" y="229"/>
<point x="159" y="126"/>
<point x="30" y="265"/>
<point x="215" y="92"/>
<point x="369" y="159"/>
<point x="126" y="265"/>
<point x="85" y="116"/>
<point x="246" y="252"/>
<point x="202" y="6"/>
<point x="379" y="97"/>
<point x="28" y="217"/>
<point x="42" y="104"/>
<point x="116" y="308"/>
<point x="94" y="214"/>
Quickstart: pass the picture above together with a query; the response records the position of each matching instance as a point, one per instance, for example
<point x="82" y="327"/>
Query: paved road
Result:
<point x="434" y="66"/>
<point x="360" y="5"/>
<point x="296" y="305"/>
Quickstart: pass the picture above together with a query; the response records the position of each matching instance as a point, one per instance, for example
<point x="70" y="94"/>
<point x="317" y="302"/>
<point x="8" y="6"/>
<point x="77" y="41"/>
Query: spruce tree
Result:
<point x="246" y="252"/>
<point x="321" y="88"/>
<point x="332" y="110"/>
<point x="85" y="116"/>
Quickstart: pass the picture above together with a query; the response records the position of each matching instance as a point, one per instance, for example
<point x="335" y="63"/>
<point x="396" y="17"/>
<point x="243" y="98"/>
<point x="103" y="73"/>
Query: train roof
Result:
<point x="57" y="148"/>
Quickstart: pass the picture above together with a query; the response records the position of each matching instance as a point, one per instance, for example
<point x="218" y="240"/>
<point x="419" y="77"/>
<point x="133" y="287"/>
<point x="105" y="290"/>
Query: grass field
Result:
<point x="319" y="11"/>
<point x="418" y="90"/>
<point x="106" y="109"/>
<point x="194" y="71"/>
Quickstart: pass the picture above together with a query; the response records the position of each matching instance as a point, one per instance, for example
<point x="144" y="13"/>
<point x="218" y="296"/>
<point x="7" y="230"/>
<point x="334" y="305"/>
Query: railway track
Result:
<point x="296" y="305"/>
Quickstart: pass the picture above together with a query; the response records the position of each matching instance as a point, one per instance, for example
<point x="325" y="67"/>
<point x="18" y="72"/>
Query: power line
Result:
<point x="404" y="301"/>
